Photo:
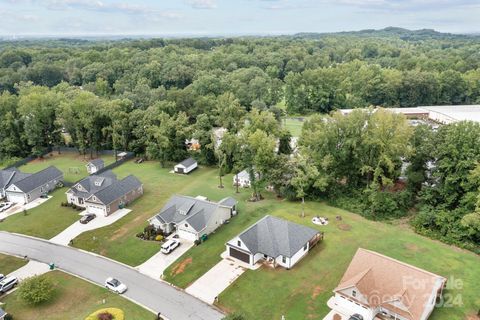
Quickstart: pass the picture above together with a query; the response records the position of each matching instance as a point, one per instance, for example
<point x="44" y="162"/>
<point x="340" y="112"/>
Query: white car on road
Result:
<point x="169" y="246"/>
<point x="115" y="285"/>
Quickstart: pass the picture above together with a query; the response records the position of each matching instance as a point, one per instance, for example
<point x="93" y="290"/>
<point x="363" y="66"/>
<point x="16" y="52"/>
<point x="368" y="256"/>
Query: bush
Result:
<point x="234" y="316"/>
<point x="36" y="290"/>
<point x="159" y="238"/>
<point x="8" y="317"/>
<point x="116" y="314"/>
<point x="105" y="316"/>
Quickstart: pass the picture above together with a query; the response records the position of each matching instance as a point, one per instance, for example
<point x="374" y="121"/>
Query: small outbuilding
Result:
<point x="95" y="165"/>
<point x="242" y="179"/>
<point x="186" y="166"/>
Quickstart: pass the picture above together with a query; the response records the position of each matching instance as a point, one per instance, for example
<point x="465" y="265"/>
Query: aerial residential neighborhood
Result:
<point x="239" y="160"/>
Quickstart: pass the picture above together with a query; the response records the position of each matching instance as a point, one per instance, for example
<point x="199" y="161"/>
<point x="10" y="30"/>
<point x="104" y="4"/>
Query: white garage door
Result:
<point x="187" y="235"/>
<point x="98" y="210"/>
<point x="16" y="198"/>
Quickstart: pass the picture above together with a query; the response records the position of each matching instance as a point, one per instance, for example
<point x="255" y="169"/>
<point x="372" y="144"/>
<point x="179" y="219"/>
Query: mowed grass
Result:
<point x="118" y="241"/>
<point x="9" y="264"/>
<point x="70" y="163"/>
<point x="45" y="221"/>
<point x="302" y="292"/>
<point x="294" y="125"/>
<point x="74" y="299"/>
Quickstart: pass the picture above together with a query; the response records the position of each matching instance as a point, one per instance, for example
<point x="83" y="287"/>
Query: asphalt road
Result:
<point x="155" y="295"/>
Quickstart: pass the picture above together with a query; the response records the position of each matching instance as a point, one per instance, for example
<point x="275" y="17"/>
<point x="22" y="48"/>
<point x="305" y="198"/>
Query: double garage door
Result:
<point x="240" y="255"/>
<point x="16" y="197"/>
<point x="98" y="210"/>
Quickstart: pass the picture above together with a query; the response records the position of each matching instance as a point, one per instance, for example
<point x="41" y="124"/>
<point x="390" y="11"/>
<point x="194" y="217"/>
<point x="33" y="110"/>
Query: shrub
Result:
<point x="116" y="314"/>
<point x="197" y="242"/>
<point x="105" y="316"/>
<point x="234" y="316"/>
<point x="8" y="317"/>
<point x="36" y="290"/>
<point x="159" y="238"/>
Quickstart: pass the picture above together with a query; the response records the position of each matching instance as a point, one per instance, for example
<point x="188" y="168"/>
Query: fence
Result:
<point x="26" y="160"/>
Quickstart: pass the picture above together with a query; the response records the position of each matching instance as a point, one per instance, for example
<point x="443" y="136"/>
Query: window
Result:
<point x="239" y="243"/>
<point x="284" y="259"/>
<point x="354" y="293"/>
<point x="305" y="247"/>
<point x="186" y="225"/>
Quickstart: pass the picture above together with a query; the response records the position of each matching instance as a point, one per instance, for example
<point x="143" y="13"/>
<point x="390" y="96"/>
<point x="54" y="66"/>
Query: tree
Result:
<point x="305" y="176"/>
<point x="36" y="290"/>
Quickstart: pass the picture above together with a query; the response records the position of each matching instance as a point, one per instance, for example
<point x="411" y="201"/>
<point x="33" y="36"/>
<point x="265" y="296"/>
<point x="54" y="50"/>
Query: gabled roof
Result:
<point x="243" y="175"/>
<point x="198" y="214"/>
<point x="188" y="162"/>
<point x="94" y="183"/>
<point x="9" y="176"/>
<point x="99" y="163"/>
<point x="118" y="189"/>
<point x="33" y="181"/>
<point x="228" y="202"/>
<point x="408" y="288"/>
<point x="2" y="313"/>
<point x="274" y="237"/>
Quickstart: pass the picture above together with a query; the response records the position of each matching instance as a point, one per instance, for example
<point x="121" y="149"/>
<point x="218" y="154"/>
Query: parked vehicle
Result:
<point x="356" y="316"/>
<point x="169" y="246"/>
<point x="115" y="285"/>
<point x="87" y="218"/>
<point x="2" y="277"/>
<point x="5" y="206"/>
<point x="7" y="284"/>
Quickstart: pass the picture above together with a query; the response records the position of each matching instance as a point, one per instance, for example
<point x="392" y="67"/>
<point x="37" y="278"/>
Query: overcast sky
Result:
<point x="231" y="17"/>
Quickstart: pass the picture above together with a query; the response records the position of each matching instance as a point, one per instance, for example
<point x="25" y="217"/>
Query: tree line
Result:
<point x="150" y="96"/>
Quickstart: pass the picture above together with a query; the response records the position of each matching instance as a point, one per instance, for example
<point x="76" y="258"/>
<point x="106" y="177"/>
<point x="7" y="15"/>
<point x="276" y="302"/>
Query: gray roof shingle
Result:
<point x="198" y="214"/>
<point x="2" y="313"/>
<point x="94" y="183"/>
<point x="118" y="189"/>
<point x="99" y="163"/>
<point x="274" y="237"/>
<point x="33" y="181"/>
<point x="228" y="202"/>
<point x="188" y="162"/>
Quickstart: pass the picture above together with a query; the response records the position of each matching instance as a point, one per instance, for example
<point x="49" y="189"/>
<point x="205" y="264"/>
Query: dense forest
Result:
<point x="149" y="96"/>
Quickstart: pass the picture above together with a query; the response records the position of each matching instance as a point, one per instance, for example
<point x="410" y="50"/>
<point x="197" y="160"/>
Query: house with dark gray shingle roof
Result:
<point x="275" y="241"/>
<point x="186" y="166"/>
<point x="9" y="176"/>
<point x="115" y="195"/>
<point x="28" y="187"/>
<point x="95" y="165"/>
<point x="3" y="314"/>
<point x="88" y="186"/>
<point x="192" y="217"/>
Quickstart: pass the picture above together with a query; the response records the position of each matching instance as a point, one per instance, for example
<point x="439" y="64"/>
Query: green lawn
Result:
<point x="118" y="240"/>
<point x="9" y="264"/>
<point x="302" y="293"/>
<point x="67" y="162"/>
<point x="45" y="221"/>
<point x="294" y="125"/>
<point x="74" y="299"/>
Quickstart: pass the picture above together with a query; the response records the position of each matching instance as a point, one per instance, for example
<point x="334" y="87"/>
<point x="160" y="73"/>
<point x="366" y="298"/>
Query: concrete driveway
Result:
<point x="17" y="208"/>
<point x="211" y="284"/>
<point x="155" y="266"/>
<point x="77" y="228"/>
<point x="32" y="268"/>
<point x="155" y="295"/>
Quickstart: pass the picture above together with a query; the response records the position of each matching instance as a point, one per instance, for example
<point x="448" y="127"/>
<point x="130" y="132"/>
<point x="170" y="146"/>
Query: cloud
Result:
<point x="202" y="4"/>
<point x="405" y="5"/>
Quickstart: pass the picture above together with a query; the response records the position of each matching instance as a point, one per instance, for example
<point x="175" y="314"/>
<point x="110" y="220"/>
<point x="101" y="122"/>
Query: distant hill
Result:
<point x="401" y="33"/>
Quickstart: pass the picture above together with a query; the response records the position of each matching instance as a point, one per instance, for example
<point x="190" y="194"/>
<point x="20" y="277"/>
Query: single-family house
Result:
<point x="379" y="287"/>
<point x="32" y="186"/>
<point x="95" y="165"/>
<point x="186" y="166"/>
<point x="275" y="241"/>
<point x="115" y="196"/>
<point x="89" y="186"/>
<point x="3" y="314"/>
<point x="192" y="217"/>
<point x="192" y="144"/>
<point x="242" y="179"/>
<point x="9" y="176"/>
